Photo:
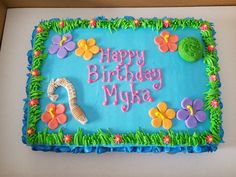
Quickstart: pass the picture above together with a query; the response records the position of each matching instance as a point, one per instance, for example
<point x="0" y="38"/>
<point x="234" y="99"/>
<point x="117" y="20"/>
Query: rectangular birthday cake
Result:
<point x="123" y="84"/>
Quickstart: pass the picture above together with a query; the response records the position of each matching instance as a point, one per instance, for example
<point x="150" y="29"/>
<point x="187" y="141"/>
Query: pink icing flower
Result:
<point x="213" y="77"/>
<point x="92" y="22"/>
<point x="214" y="103"/>
<point x="118" y="139"/>
<point x="35" y="72"/>
<point x="33" y="102"/>
<point x="62" y="24"/>
<point x="209" y="139"/>
<point x="204" y="27"/>
<point x="166" y="139"/>
<point x="166" y="23"/>
<point x="211" y="48"/>
<point x="67" y="138"/>
<point x="166" y="41"/>
<point x="54" y="115"/>
<point x="39" y="29"/>
<point x="37" y="53"/>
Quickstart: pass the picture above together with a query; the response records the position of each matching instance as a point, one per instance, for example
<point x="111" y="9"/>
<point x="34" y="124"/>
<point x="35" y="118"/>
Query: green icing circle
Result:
<point x="190" y="49"/>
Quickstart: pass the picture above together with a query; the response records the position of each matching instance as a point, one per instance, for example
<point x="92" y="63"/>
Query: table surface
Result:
<point x="18" y="160"/>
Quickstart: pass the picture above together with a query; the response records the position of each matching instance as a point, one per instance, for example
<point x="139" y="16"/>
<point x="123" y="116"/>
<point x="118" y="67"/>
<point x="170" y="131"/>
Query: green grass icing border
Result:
<point x="139" y="137"/>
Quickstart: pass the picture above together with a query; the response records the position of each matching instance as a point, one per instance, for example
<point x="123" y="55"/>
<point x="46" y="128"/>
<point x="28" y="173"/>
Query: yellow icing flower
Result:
<point x="87" y="48"/>
<point x="161" y="115"/>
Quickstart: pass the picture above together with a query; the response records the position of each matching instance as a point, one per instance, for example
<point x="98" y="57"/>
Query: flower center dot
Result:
<point x="64" y="38"/>
<point x="190" y="108"/>
<point x="51" y="112"/>
<point x="166" y="37"/>
<point x="160" y="115"/>
<point x="85" y="46"/>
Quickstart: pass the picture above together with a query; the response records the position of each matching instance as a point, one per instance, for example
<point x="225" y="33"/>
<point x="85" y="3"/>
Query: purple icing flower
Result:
<point x="61" y="45"/>
<point x="192" y="112"/>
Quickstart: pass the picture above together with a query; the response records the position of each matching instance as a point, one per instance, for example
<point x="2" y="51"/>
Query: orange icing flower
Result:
<point x="54" y="115"/>
<point x="161" y="115"/>
<point x="30" y="131"/>
<point x="87" y="48"/>
<point x="166" y="41"/>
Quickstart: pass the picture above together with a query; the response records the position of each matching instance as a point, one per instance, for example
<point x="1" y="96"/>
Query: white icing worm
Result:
<point x="76" y="112"/>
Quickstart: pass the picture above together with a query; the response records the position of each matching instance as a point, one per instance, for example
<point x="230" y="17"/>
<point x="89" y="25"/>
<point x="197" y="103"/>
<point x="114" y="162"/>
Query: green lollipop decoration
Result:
<point x="190" y="49"/>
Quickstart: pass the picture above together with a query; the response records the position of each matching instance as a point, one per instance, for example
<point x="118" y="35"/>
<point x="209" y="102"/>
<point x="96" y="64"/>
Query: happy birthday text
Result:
<point x="123" y="62"/>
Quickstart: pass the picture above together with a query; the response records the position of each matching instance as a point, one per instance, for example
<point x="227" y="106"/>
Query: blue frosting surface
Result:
<point x="180" y="79"/>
